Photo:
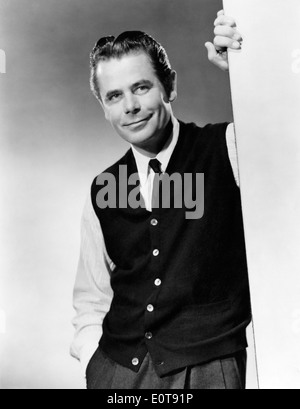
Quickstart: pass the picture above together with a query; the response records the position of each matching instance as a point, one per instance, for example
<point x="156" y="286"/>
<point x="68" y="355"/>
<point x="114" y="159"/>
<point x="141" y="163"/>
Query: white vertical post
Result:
<point x="265" y="85"/>
<point x="2" y="62"/>
<point x="2" y="322"/>
<point x="2" y="332"/>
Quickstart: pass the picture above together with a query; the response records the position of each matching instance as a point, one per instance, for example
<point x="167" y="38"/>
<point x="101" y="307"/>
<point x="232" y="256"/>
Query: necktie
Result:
<point x="156" y="166"/>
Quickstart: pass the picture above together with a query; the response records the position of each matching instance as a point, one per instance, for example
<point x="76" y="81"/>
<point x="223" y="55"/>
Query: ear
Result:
<point x="173" y="94"/>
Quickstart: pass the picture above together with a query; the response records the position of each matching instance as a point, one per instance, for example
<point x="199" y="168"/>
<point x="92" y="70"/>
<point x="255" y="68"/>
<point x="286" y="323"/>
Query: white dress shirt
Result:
<point x="93" y="293"/>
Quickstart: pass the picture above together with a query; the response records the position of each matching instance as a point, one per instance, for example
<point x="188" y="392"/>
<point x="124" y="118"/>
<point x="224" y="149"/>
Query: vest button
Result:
<point x="150" y="308"/>
<point x="157" y="282"/>
<point x="155" y="253"/>
<point x="149" y="335"/>
<point x="135" y="362"/>
<point x="154" y="222"/>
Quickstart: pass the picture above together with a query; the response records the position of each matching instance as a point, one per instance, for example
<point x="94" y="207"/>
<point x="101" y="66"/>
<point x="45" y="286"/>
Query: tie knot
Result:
<point x="155" y="165"/>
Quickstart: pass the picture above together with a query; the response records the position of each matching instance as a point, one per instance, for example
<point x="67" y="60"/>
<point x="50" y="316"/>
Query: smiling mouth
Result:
<point x="139" y="122"/>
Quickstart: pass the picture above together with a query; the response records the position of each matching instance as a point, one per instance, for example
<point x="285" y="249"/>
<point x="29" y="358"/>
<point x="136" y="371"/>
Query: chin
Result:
<point x="139" y="138"/>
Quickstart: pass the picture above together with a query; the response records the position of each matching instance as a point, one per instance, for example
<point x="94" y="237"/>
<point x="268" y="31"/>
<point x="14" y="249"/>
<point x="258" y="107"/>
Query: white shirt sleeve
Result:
<point x="232" y="152"/>
<point x="92" y="293"/>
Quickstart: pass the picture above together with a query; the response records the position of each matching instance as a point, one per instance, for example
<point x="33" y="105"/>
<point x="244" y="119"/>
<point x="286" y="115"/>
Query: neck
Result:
<point x="154" y="147"/>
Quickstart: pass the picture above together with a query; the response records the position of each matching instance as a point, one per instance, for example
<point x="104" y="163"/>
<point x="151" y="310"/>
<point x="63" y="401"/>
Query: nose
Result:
<point x="131" y="104"/>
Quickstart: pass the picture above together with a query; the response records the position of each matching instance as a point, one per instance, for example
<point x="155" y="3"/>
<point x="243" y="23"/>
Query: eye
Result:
<point x="114" y="97"/>
<point x="142" y="89"/>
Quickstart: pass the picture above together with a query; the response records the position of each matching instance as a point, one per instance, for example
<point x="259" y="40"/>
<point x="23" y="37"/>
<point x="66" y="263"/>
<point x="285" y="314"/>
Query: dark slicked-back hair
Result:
<point x="131" y="42"/>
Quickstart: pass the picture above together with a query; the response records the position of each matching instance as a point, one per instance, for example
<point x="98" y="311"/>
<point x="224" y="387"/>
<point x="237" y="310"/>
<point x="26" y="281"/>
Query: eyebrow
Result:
<point x="135" y="85"/>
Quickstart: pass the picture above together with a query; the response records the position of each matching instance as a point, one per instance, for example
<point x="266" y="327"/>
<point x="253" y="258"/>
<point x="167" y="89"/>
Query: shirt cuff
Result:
<point x="87" y="353"/>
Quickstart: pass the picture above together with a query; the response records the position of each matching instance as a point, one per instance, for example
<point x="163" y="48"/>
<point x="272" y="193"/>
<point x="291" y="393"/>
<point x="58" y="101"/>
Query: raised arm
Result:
<point x="226" y="37"/>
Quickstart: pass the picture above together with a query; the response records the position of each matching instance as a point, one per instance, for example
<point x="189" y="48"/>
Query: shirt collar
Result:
<point x="164" y="155"/>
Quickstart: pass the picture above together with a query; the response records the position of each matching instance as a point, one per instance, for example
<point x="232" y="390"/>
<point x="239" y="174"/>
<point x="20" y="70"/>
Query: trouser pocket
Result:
<point x="100" y="371"/>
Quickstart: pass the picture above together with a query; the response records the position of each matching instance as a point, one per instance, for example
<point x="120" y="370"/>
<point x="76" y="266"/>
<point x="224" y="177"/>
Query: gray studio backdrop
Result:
<point x="54" y="140"/>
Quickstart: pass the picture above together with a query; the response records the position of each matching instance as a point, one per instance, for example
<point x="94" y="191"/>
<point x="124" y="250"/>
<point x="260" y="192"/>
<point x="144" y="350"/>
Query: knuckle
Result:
<point x="224" y="31"/>
<point x="219" y="21"/>
<point x="218" y="41"/>
<point x="231" y="31"/>
<point x="229" y="22"/>
<point x="217" y="30"/>
<point x="238" y="36"/>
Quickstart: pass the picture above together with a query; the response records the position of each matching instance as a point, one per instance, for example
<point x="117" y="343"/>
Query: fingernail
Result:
<point x="236" y="44"/>
<point x="237" y="36"/>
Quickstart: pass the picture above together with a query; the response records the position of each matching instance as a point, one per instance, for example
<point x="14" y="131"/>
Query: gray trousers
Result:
<point x="226" y="373"/>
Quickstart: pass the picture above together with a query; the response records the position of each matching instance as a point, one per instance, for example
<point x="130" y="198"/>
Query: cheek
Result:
<point x="113" y="114"/>
<point x="153" y="100"/>
<point x="161" y="108"/>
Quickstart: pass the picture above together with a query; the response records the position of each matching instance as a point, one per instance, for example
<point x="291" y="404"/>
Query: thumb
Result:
<point x="212" y="52"/>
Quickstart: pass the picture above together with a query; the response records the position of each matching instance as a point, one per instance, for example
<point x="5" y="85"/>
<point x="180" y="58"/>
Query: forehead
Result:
<point x="121" y="73"/>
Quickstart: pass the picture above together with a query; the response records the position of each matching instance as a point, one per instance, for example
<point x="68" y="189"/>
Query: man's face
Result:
<point x="134" y="100"/>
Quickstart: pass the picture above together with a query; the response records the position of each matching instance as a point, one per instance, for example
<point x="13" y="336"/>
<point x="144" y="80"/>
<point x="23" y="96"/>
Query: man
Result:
<point x="167" y="296"/>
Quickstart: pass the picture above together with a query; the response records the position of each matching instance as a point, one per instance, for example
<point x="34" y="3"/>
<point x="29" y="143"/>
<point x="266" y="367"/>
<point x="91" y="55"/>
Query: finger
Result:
<point x="225" y="31"/>
<point x="215" y="58"/>
<point x="212" y="52"/>
<point x="221" y="13"/>
<point x="225" y="21"/>
<point x="223" y="64"/>
<point x="225" y="42"/>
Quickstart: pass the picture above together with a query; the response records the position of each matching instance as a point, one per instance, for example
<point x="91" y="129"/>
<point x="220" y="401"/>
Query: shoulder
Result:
<point x="216" y="129"/>
<point x="192" y="129"/>
<point x="204" y="136"/>
<point x="114" y="169"/>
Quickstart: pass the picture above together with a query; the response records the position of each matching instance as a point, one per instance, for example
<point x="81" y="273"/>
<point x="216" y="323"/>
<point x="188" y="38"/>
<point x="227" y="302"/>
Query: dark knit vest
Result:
<point x="189" y="304"/>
